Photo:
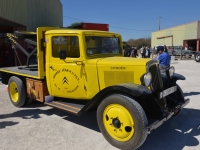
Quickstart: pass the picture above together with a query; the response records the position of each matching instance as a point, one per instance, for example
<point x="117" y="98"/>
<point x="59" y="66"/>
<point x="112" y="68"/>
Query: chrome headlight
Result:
<point x="171" y="71"/>
<point x="147" y="79"/>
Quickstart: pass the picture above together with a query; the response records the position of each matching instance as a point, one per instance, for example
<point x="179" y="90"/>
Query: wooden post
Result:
<point x="198" y="43"/>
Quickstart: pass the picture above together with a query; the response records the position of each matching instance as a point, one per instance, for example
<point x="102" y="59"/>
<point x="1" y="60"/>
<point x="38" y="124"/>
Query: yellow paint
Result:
<point x="40" y="53"/>
<point x="21" y="74"/>
<point x="81" y="76"/>
<point x="116" y="111"/>
<point x="118" y="70"/>
<point x="13" y="91"/>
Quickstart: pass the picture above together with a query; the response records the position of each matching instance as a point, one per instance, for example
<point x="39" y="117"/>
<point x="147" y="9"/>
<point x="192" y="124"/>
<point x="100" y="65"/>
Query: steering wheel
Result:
<point x="109" y="48"/>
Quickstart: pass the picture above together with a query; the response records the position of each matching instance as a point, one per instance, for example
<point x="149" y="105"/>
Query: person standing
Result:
<point x="172" y="50"/>
<point x="147" y="52"/>
<point x="165" y="49"/>
<point x="133" y="52"/>
<point x="142" y="51"/>
<point x="127" y="52"/>
<point x="163" y="59"/>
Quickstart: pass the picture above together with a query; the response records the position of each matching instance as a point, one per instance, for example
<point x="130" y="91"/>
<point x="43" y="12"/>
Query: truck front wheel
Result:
<point x="16" y="91"/>
<point x="122" y="121"/>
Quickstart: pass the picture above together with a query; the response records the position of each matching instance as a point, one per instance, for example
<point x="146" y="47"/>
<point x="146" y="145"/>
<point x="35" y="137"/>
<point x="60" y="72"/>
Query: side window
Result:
<point x="68" y="43"/>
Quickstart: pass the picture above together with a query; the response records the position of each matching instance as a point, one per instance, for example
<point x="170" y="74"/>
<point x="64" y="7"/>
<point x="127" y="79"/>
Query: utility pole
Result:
<point x="159" y="22"/>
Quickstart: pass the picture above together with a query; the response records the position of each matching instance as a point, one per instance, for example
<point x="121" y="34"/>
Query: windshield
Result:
<point x="102" y="45"/>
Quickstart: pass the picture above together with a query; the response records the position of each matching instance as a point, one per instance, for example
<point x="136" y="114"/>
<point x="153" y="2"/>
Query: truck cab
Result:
<point x="84" y="70"/>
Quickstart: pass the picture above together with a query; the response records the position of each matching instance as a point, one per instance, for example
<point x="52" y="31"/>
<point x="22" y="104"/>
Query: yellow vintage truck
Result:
<point x="83" y="70"/>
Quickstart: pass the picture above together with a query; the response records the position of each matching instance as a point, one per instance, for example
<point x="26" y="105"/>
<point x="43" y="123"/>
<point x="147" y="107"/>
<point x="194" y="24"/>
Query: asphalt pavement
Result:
<point x="40" y="127"/>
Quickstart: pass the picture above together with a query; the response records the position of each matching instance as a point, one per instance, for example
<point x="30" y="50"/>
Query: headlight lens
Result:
<point x="147" y="79"/>
<point x="171" y="71"/>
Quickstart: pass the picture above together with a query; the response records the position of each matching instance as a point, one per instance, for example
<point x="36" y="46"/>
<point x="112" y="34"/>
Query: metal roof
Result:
<point x="7" y="23"/>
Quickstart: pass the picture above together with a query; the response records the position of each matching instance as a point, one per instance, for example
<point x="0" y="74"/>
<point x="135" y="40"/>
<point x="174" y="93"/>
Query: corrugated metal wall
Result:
<point x="14" y="10"/>
<point x="190" y="31"/>
<point x="44" y="13"/>
<point x="180" y="33"/>
<point x="33" y="13"/>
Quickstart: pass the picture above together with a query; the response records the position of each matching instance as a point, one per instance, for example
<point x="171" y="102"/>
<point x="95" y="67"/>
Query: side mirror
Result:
<point x="62" y="54"/>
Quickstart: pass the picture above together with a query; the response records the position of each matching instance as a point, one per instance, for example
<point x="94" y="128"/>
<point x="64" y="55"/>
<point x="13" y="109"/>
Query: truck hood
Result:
<point x="120" y="70"/>
<point x="118" y="61"/>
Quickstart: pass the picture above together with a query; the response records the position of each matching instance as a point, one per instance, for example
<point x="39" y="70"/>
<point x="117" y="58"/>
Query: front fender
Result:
<point x="178" y="77"/>
<point x="133" y="89"/>
<point x="126" y="88"/>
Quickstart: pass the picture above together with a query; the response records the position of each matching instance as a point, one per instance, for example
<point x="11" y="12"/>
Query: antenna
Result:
<point x="159" y="22"/>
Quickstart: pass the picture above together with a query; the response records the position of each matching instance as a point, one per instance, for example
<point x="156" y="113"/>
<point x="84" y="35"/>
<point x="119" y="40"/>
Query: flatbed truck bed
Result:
<point x="17" y="70"/>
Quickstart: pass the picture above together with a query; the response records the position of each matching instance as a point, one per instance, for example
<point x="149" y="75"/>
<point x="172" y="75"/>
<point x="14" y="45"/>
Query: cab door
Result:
<point x="65" y="76"/>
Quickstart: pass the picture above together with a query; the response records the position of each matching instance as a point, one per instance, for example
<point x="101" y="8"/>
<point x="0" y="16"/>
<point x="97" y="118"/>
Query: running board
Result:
<point x="66" y="106"/>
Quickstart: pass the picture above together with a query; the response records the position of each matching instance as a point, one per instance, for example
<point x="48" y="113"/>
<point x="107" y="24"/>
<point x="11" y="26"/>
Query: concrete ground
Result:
<point x="40" y="127"/>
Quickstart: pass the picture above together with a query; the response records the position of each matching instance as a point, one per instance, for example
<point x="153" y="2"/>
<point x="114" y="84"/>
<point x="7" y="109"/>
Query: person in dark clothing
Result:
<point x="134" y="52"/>
<point x="147" y="52"/>
<point x="144" y="52"/>
<point x="127" y="52"/>
<point x="165" y="49"/>
<point x="32" y="59"/>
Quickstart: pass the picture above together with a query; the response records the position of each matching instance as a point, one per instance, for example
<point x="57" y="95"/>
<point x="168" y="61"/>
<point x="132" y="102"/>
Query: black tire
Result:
<point x="136" y="112"/>
<point x="197" y="57"/>
<point x="15" y="84"/>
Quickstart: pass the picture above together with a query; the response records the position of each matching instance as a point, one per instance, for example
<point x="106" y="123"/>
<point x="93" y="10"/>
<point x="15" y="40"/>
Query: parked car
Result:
<point x="197" y="57"/>
<point x="178" y="50"/>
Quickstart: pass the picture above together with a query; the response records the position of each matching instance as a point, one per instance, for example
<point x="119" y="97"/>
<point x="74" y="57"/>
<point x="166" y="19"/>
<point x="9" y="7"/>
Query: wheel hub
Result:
<point x="116" y="123"/>
<point x="13" y="91"/>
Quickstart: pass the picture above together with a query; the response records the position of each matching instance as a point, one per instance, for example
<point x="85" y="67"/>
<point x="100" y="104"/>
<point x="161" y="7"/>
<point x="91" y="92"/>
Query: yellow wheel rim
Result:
<point x="118" y="122"/>
<point x="13" y="89"/>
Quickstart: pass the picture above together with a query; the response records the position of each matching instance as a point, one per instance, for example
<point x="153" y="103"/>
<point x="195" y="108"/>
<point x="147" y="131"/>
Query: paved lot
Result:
<point x="40" y="127"/>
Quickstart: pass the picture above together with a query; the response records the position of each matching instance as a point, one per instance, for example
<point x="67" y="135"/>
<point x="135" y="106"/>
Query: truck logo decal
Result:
<point x="118" y="68"/>
<point x="65" y="80"/>
<point x="62" y="79"/>
<point x="51" y="67"/>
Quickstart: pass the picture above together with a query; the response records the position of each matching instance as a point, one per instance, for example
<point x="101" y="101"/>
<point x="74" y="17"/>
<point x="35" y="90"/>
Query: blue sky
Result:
<point x="133" y="19"/>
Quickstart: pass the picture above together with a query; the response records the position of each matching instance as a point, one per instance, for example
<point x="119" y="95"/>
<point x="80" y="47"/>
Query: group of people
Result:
<point x="132" y="52"/>
<point x="145" y="52"/>
<point x="163" y="57"/>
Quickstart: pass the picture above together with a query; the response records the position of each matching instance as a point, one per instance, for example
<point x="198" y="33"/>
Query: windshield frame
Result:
<point x="94" y="45"/>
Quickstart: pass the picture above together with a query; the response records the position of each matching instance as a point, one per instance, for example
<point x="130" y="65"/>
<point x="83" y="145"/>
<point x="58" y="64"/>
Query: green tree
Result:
<point x="139" y="42"/>
<point x="75" y="23"/>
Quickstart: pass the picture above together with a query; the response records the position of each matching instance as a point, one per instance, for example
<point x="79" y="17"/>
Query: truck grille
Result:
<point x="153" y="68"/>
<point x="118" y="77"/>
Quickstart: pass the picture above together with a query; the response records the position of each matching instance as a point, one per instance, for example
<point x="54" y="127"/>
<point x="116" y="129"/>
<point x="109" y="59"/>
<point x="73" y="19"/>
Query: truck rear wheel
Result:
<point x="197" y="57"/>
<point x="122" y="121"/>
<point x="16" y="91"/>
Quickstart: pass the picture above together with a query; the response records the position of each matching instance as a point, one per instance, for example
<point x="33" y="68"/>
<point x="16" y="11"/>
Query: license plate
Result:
<point x="168" y="91"/>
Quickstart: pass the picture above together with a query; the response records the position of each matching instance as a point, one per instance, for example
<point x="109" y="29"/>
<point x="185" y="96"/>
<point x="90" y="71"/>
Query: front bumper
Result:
<point x="157" y="123"/>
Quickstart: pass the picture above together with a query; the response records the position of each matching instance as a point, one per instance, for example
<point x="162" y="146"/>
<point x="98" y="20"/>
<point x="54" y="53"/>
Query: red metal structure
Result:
<point x="90" y="26"/>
